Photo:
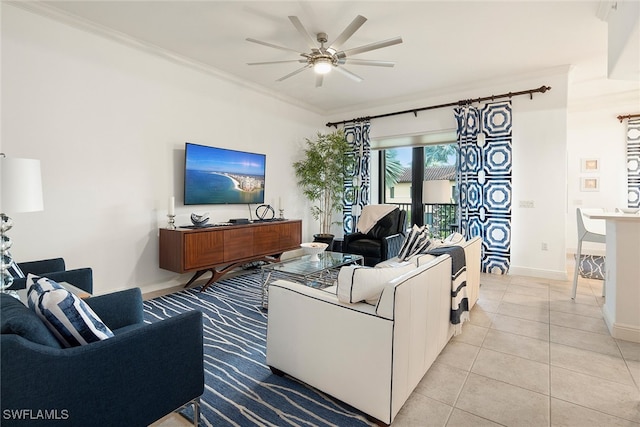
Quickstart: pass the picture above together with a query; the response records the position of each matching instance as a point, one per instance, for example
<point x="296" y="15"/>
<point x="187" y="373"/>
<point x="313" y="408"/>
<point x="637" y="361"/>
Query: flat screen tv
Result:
<point x="221" y="176"/>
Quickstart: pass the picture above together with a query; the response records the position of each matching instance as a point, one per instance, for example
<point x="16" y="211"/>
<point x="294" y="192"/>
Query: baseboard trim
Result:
<point x="620" y="331"/>
<point x="534" y="272"/>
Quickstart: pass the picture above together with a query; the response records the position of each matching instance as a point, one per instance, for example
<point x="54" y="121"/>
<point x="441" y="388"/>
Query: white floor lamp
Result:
<point x="20" y="191"/>
<point x="436" y="192"/>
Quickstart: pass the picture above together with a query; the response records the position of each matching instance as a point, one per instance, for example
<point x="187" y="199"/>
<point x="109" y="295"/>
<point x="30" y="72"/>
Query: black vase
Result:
<point x="324" y="238"/>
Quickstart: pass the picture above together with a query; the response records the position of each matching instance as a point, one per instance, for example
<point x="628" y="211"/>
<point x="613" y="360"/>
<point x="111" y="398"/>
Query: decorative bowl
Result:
<point x="628" y="210"/>
<point x="200" y="220"/>
<point x="313" y="249"/>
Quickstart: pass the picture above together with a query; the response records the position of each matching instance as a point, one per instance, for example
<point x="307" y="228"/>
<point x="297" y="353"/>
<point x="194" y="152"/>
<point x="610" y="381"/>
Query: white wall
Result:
<point x="109" y="123"/>
<point x="596" y="133"/>
<point x="539" y="161"/>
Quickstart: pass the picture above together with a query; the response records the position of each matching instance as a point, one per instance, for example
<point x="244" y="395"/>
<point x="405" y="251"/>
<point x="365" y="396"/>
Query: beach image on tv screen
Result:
<point x="221" y="176"/>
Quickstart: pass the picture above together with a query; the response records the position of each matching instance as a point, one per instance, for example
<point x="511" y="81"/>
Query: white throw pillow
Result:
<point x="357" y="283"/>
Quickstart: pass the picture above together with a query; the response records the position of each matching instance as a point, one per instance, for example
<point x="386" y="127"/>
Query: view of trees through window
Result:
<point x="399" y="179"/>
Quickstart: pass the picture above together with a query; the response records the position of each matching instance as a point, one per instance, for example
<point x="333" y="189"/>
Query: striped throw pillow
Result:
<point x="37" y="286"/>
<point x="415" y="242"/>
<point x="70" y="319"/>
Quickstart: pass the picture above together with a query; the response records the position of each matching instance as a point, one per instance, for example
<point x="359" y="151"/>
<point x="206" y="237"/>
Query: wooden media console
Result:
<point x="220" y="249"/>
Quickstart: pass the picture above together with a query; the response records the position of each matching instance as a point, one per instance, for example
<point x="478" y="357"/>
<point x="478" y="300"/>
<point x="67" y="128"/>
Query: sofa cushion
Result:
<point x="357" y="283"/>
<point x="19" y="320"/>
<point x="70" y="319"/>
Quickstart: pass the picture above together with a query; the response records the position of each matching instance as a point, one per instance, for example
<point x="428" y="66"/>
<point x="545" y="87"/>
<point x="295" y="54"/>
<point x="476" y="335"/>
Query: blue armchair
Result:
<point x="54" y="269"/>
<point x="135" y="378"/>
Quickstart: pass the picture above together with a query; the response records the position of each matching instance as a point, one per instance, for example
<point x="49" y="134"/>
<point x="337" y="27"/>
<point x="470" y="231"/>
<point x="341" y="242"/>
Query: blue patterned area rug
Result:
<point x="240" y="389"/>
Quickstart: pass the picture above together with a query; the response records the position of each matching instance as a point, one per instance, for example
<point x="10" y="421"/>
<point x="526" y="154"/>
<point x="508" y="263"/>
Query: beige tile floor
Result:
<point x="530" y="356"/>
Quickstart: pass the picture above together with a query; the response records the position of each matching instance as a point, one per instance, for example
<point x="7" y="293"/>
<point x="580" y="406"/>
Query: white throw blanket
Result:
<point x="371" y="214"/>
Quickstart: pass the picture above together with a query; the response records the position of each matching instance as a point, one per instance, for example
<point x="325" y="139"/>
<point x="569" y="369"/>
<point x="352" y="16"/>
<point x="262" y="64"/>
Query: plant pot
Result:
<point x="324" y="238"/>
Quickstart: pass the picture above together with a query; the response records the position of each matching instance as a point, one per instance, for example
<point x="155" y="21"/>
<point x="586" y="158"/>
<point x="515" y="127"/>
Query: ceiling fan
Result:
<point x="324" y="59"/>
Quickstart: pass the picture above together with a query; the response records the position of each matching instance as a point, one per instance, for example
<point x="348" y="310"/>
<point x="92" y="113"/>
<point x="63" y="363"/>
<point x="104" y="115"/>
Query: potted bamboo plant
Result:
<point x="321" y="175"/>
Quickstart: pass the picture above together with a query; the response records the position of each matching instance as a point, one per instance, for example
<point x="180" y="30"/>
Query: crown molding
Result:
<point x="43" y="9"/>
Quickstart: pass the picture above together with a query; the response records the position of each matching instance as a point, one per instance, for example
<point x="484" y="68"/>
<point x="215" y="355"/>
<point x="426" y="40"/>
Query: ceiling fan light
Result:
<point x="322" y="65"/>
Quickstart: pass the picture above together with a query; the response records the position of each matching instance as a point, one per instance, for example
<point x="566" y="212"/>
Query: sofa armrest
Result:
<point x="42" y="266"/>
<point x="81" y="278"/>
<point x="134" y="378"/>
<point x="118" y="309"/>
<point x="352" y="237"/>
<point x="391" y="245"/>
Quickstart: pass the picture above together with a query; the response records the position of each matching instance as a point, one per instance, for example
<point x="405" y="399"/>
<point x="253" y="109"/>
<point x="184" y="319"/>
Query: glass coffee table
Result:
<point x="317" y="274"/>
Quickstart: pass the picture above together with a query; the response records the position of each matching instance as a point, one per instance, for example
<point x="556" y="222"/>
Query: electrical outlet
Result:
<point x="526" y="204"/>
<point x="544" y="246"/>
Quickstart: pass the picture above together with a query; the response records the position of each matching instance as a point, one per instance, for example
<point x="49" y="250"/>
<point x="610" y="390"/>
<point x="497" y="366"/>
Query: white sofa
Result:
<point x="369" y="356"/>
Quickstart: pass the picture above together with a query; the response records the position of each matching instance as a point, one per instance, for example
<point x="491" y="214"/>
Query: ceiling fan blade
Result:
<point x="249" y="39"/>
<point x="349" y="74"/>
<point x="311" y="42"/>
<point x="367" y="62"/>
<point x="369" y="47"/>
<point x="347" y="32"/>
<point x="299" y="70"/>
<point x="319" y="79"/>
<point x="277" y="62"/>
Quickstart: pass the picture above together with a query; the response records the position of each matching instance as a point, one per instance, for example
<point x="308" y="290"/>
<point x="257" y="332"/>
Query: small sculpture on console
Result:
<point x="200" y="220"/>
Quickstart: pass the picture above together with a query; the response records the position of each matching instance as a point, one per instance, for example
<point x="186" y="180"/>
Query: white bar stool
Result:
<point x="589" y="230"/>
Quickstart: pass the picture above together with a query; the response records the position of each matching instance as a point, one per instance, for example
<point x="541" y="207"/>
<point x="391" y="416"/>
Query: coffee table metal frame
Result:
<point x="317" y="274"/>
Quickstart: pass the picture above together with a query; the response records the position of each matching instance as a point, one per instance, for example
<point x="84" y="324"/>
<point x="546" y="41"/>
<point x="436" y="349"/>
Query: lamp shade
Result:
<point x="20" y="185"/>
<point x="436" y="192"/>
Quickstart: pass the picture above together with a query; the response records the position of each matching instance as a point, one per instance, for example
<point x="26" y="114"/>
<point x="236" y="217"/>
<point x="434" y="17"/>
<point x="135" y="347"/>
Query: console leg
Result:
<point x="196" y="275"/>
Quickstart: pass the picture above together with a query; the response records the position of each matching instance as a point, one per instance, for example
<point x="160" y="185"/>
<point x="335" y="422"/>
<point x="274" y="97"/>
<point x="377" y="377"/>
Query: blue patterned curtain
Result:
<point x="358" y="180"/>
<point x="633" y="163"/>
<point x="484" y="180"/>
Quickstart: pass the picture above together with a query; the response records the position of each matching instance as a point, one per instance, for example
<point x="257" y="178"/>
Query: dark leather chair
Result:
<point x="380" y="243"/>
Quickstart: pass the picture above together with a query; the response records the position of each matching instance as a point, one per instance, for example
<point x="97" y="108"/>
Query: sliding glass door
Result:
<point x="421" y="180"/>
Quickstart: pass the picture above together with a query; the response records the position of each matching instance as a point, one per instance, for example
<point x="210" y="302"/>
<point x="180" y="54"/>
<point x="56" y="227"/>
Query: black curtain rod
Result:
<point x="628" y="116"/>
<point x="462" y="102"/>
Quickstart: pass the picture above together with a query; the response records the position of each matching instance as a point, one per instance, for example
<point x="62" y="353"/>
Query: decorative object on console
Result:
<point x="321" y="175"/>
<point x="265" y="213"/>
<point x="171" y="213"/>
<point x="313" y="249"/>
<point x="21" y="191"/>
<point x="199" y="220"/>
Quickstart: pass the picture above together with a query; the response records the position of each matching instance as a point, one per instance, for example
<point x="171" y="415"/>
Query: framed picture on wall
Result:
<point x="590" y="184"/>
<point x="590" y="165"/>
